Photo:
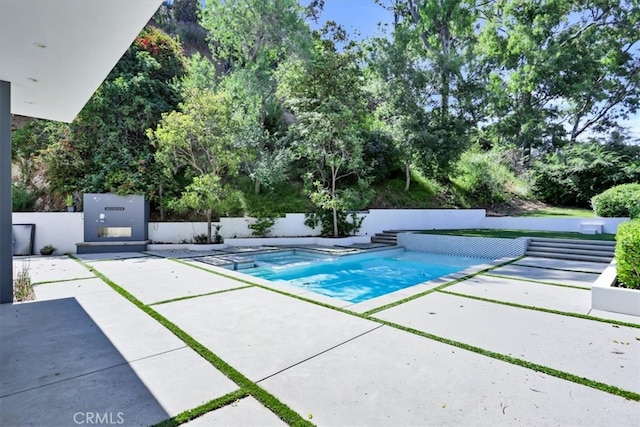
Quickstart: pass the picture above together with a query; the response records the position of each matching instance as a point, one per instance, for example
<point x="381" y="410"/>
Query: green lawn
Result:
<point x="512" y="234"/>
<point x="560" y="212"/>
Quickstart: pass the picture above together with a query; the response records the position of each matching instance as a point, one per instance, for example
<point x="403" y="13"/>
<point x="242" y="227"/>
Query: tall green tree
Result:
<point x="253" y="37"/>
<point x="326" y="96"/>
<point x="109" y="133"/>
<point x="562" y="69"/>
<point x="198" y="141"/>
<point x="439" y="37"/>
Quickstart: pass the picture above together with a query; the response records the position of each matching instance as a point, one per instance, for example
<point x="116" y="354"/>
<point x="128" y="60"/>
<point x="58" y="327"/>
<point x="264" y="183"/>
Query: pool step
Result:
<point x="576" y="250"/>
<point x="387" y="237"/>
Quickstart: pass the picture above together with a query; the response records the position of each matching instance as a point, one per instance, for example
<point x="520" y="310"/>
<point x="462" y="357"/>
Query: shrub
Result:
<point x="348" y="224"/>
<point x="22" y="287"/>
<point x="261" y="225"/>
<point x="628" y="253"/>
<point x="22" y="200"/>
<point x="573" y="175"/>
<point x="619" y="201"/>
<point x="482" y="176"/>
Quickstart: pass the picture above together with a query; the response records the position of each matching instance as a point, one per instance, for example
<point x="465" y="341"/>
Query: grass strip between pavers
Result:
<point x="212" y="405"/>
<point x="166" y="301"/>
<point x="509" y="359"/>
<point x="298" y="420"/>
<point x="545" y="310"/>
<point x="46" y="282"/>
<point x="519" y="362"/>
<point x="285" y="413"/>
<point x="542" y="282"/>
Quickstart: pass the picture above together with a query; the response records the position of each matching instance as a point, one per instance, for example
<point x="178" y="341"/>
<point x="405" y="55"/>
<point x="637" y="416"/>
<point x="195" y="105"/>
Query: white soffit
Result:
<point x="55" y="53"/>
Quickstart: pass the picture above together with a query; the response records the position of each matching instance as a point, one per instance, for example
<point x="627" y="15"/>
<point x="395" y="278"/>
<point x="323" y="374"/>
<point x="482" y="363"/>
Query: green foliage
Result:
<point x="217" y="237"/>
<point x="327" y="98"/>
<point x="575" y="174"/>
<point x="482" y="176"/>
<point x="559" y="69"/>
<point x="628" y="253"/>
<point x="620" y="201"/>
<point x="22" y="200"/>
<point x="200" y="239"/>
<point x="348" y="223"/>
<point x="199" y="141"/>
<point x="261" y="226"/>
<point x="47" y="250"/>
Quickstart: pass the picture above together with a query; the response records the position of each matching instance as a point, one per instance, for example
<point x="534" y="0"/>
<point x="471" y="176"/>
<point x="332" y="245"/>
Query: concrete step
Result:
<point x="574" y="241"/>
<point x="575" y="257"/>
<point x="572" y="246"/>
<point x="570" y="250"/>
<point x="385" y="237"/>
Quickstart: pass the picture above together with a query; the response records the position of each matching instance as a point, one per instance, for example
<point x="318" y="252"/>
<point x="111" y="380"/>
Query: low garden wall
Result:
<point x="63" y="230"/>
<point x="493" y="248"/>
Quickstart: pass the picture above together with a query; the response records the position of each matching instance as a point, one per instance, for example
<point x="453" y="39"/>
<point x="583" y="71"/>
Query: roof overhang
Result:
<point x="55" y="54"/>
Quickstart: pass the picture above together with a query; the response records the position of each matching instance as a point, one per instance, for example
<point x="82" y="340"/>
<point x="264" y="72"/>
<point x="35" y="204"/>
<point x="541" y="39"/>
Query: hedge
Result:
<point x="628" y="253"/>
<point x="620" y="201"/>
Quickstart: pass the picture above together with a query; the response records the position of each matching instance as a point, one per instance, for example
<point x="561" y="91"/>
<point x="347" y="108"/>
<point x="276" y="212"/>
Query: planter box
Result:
<point x="605" y="296"/>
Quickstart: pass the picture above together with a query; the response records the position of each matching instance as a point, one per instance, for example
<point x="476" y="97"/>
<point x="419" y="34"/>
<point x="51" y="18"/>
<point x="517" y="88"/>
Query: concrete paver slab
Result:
<point x="159" y="279"/>
<point x="573" y="278"/>
<point x="181" y="379"/>
<point x="51" y="268"/>
<point x="245" y="412"/>
<point x="49" y="341"/>
<point x="115" y="396"/>
<point x="71" y="288"/>
<point x="596" y="350"/>
<point x="562" y="264"/>
<point x="526" y="293"/>
<point x="391" y="377"/>
<point x="260" y="332"/>
<point x="615" y="316"/>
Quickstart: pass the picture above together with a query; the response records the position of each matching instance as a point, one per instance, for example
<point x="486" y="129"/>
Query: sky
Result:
<point x="362" y="16"/>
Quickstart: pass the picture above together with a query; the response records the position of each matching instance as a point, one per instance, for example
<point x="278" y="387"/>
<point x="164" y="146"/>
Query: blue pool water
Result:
<point x="357" y="278"/>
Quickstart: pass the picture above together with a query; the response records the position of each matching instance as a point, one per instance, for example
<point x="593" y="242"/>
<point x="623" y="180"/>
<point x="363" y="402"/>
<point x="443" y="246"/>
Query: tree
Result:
<point x="254" y="37"/>
<point x="198" y="141"/>
<point x="438" y="37"/>
<point x="561" y="68"/>
<point x="109" y="133"/>
<point x="326" y="96"/>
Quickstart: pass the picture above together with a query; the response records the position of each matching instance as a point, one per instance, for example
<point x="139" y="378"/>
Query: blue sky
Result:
<point x="362" y="16"/>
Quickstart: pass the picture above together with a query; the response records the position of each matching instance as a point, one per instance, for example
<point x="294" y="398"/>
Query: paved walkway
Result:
<point x="518" y="344"/>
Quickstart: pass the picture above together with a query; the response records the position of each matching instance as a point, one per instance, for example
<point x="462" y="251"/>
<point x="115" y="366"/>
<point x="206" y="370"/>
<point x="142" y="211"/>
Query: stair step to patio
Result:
<point x="575" y="241"/>
<point x="388" y="237"/>
<point x="578" y="250"/>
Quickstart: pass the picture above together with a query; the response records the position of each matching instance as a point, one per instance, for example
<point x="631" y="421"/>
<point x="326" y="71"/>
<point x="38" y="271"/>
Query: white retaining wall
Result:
<point x="609" y="225"/>
<point x="64" y="230"/>
<point x="493" y="248"/>
<point x="60" y="229"/>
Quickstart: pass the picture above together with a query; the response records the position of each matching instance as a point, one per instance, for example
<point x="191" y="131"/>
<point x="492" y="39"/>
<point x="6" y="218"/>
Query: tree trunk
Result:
<point x="333" y="197"/>
<point x="256" y="186"/>
<point x="208" y="227"/>
<point x="407" y="172"/>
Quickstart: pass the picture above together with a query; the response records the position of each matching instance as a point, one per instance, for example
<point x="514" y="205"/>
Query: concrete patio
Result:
<point x="515" y="345"/>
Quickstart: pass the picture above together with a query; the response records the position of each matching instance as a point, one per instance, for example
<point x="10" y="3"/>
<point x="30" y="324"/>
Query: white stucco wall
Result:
<point x="63" y="230"/>
<point x="60" y="229"/>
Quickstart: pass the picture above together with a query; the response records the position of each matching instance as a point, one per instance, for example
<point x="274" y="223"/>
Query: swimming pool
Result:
<point x="357" y="278"/>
